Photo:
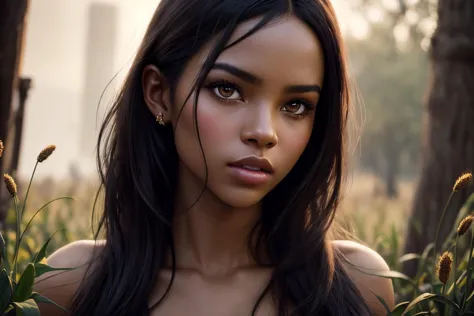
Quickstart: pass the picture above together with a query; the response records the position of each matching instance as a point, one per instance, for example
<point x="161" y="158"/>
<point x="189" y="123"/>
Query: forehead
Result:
<point x="284" y="47"/>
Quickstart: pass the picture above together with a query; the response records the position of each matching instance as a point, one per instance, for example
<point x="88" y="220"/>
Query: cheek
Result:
<point x="214" y="130"/>
<point x="186" y="139"/>
<point x="293" y="144"/>
<point x="210" y="125"/>
<point x="298" y="145"/>
<point x="216" y="126"/>
<point x="296" y="148"/>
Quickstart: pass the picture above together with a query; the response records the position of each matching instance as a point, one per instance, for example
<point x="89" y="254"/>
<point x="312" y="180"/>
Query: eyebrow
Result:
<point x="303" y="89"/>
<point x="242" y="74"/>
<point x="251" y="78"/>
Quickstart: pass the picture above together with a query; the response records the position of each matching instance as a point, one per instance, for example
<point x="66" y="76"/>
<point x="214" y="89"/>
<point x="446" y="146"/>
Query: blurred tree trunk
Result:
<point x="12" y="17"/>
<point x="391" y="177"/>
<point x="391" y="151"/>
<point x="24" y="85"/>
<point x="448" y="139"/>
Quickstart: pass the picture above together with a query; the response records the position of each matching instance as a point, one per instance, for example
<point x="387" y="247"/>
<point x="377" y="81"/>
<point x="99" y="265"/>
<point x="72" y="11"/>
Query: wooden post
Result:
<point x="23" y="89"/>
<point x="12" y="17"/>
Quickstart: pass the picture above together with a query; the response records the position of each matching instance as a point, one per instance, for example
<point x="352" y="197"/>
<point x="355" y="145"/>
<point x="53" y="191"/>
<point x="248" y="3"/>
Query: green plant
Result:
<point x="444" y="284"/>
<point x="16" y="285"/>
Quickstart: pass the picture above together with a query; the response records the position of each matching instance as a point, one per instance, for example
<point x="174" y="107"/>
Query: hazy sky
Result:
<point x="54" y="57"/>
<point x="58" y="29"/>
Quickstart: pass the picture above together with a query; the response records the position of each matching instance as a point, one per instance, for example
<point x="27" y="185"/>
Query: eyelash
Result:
<point x="222" y="83"/>
<point x="309" y="107"/>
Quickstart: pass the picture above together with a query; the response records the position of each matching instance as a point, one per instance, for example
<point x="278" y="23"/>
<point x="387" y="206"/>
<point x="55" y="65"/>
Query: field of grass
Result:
<point x="442" y="285"/>
<point x="364" y="212"/>
<point x="369" y="214"/>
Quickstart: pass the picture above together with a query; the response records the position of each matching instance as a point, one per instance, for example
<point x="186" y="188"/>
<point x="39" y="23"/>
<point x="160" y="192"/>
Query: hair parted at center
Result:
<point x="138" y="165"/>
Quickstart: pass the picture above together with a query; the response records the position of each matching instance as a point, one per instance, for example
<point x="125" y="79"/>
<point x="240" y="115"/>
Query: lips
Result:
<point x="254" y="163"/>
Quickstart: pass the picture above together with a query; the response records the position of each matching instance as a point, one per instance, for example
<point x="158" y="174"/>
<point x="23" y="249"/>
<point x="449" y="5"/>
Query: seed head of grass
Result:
<point x="46" y="152"/>
<point x="465" y="224"/>
<point x="1" y="148"/>
<point x="10" y="184"/>
<point x="463" y="181"/>
<point x="444" y="266"/>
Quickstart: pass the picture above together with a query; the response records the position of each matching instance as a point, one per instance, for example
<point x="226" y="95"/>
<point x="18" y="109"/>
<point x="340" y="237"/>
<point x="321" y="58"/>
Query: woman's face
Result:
<point x="255" y="111"/>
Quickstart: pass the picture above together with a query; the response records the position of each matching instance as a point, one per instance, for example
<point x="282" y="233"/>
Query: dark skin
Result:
<point x="253" y="117"/>
<point x="259" y="100"/>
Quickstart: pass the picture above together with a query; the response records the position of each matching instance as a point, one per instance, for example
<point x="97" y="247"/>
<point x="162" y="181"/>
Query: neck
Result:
<point x="210" y="236"/>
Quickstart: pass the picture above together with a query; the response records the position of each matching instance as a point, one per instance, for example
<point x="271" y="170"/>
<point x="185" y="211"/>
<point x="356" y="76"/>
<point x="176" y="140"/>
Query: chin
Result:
<point x="235" y="203"/>
<point x="240" y="198"/>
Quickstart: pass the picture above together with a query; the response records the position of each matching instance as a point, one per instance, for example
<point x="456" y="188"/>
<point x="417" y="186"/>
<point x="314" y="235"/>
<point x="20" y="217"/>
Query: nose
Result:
<point x="259" y="129"/>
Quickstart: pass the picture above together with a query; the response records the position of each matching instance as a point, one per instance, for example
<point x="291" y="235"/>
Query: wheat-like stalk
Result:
<point x="463" y="227"/>
<point x="42" y="156"/>
<point x="444" y="267"/>
<point x="462" y="181"/>
<point x="10" y="184"/>
<point x="465" y="224"/>
<point x="46" y="152"/>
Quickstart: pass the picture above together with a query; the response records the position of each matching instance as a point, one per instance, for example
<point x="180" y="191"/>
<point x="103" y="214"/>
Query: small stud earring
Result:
<point x="159" y="119"/>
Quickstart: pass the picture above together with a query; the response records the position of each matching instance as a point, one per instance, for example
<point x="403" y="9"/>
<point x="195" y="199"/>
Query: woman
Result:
<point x="222" y="169"/>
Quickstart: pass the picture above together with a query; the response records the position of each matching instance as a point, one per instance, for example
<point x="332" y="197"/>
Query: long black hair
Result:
<point x="138" y="168"/>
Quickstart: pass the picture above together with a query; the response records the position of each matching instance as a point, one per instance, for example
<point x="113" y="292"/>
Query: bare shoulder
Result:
<point x="362" y="259"/>
<point x="60" y="286"/>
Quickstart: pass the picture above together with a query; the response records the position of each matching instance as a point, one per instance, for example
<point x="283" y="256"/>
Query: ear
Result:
<point x="156" y="92"/>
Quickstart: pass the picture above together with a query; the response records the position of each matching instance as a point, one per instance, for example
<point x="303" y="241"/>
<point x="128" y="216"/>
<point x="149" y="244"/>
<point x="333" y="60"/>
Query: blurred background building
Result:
<point x="99" y="70"/>
<point x="73" y="50"/>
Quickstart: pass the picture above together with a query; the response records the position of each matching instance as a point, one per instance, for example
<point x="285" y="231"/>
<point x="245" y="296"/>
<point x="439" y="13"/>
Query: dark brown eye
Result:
<point x="226" y="91"/>
<point x="296" y="108"/>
